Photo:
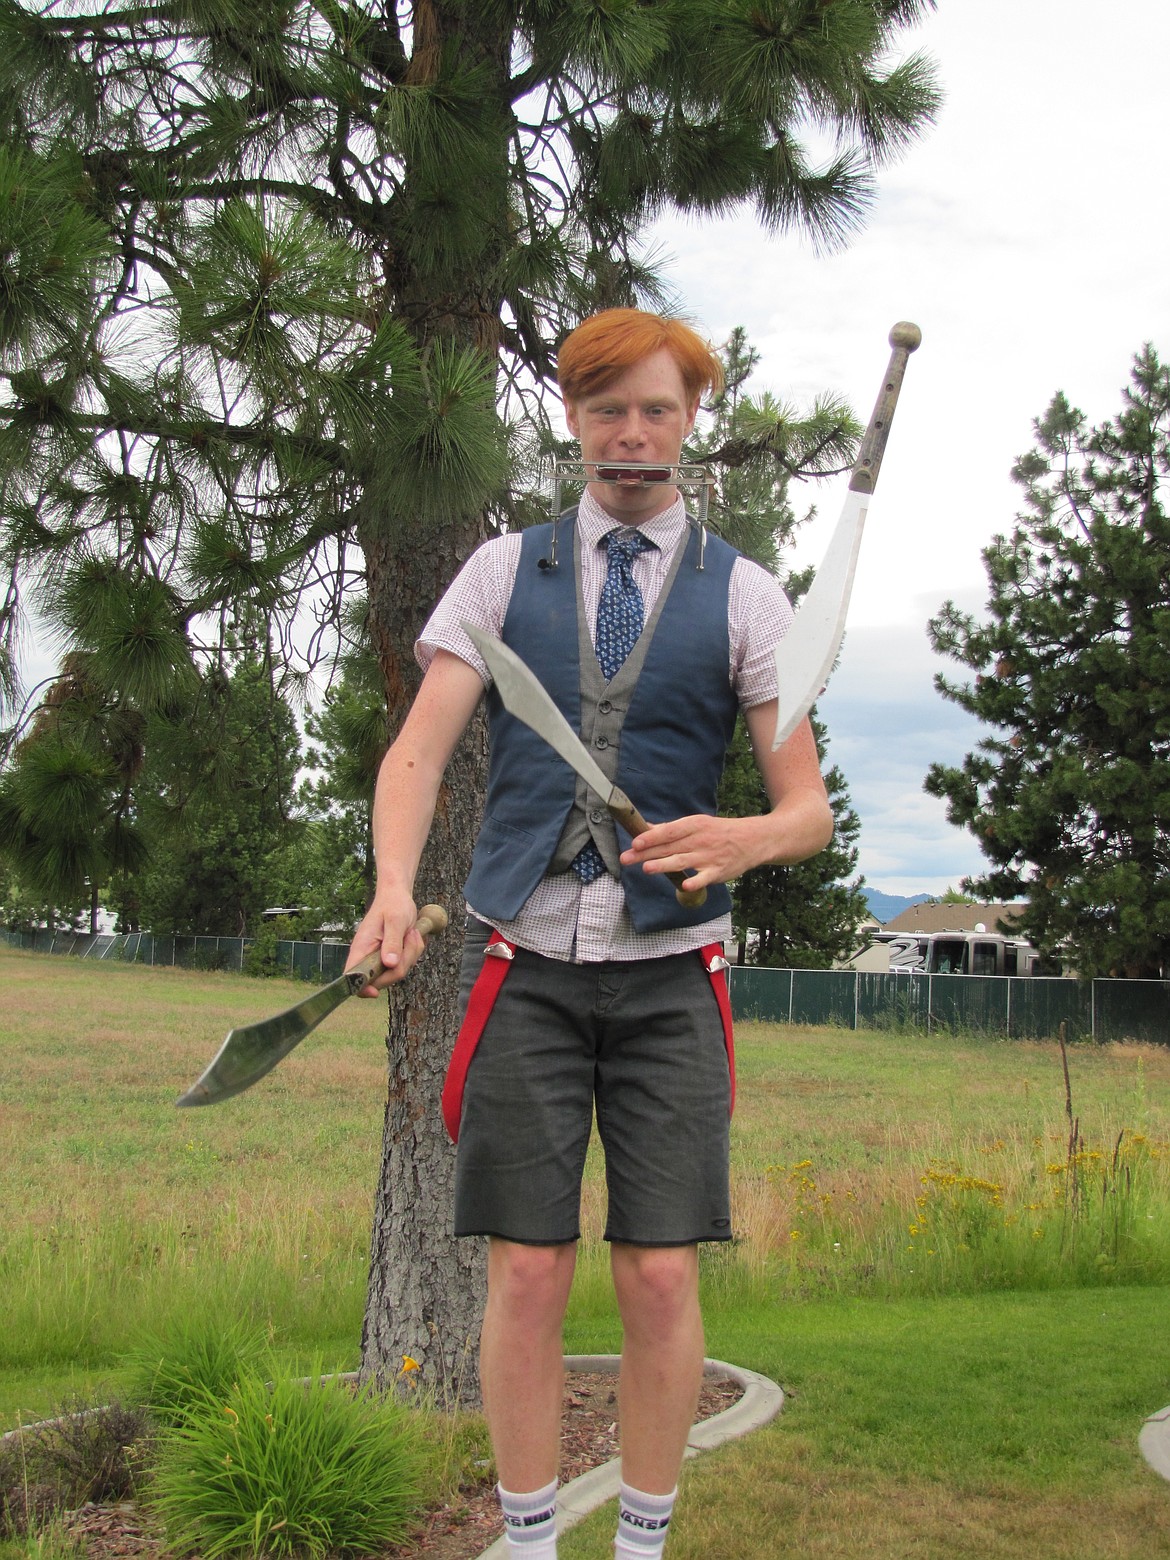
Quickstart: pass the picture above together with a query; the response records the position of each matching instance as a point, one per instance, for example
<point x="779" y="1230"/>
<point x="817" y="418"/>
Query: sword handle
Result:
<point x="430" y="920"/>
<point x="634" y="824"/>
<point x="905" y="338"/>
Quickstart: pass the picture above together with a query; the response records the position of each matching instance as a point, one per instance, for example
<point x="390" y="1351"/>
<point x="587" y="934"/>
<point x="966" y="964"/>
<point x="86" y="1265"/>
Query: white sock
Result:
<point x="642" y="1523"/>
<point x="530" y="1522"/>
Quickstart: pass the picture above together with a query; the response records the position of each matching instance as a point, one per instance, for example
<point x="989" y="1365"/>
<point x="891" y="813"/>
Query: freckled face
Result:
<point x="643" y="416"/>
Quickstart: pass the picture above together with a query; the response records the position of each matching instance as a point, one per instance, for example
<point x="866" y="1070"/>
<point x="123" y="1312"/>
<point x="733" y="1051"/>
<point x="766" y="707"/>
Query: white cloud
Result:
<point x="886" y="726"/>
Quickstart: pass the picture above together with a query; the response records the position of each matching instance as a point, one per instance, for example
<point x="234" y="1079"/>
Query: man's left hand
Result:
<point x="709" y="850"/>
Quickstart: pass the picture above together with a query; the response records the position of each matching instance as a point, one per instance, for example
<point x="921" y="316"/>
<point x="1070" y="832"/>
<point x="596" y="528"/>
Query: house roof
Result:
<point x="953" y="918"/>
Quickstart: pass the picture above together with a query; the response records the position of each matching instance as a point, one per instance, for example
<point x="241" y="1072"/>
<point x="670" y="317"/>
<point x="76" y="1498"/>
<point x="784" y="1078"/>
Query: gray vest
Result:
<point x="603" y="714"/>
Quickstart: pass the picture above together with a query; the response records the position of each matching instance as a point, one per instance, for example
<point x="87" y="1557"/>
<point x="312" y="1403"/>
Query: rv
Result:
<point x="950" y="953"/>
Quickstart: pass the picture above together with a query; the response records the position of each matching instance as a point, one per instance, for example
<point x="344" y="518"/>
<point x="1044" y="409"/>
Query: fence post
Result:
<point x="856" y="995"/>
<point x="1009" y="1007"/>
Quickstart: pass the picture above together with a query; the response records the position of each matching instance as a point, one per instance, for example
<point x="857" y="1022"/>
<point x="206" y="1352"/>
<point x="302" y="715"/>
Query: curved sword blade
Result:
<point x="526" y="697"/>
<point x="805" y="656"/>
<point x="254" y="1049"/>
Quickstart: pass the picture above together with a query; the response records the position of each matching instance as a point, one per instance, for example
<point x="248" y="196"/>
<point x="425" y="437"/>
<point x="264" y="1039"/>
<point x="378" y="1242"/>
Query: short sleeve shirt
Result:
<point x="565" y="918"/>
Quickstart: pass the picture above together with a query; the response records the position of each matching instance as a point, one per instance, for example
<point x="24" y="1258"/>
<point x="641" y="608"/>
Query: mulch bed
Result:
<point x="459" y="1530"/>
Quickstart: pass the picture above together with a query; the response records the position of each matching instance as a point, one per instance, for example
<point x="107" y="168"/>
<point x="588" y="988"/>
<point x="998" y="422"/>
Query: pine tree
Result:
<point x="805" y="916"/>
<point x="220" y="807"/>
<point x="350" y="738"/>
<point x="68" y="812"/>
<point x="270" y="276"/>
<point x="1069" y="797"/>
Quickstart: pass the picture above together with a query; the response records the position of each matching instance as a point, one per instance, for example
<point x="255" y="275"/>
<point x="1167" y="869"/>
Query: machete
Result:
<point x="254" y="1049"/>
<point x="805" y="656"/>
<point x="525" y="697"/>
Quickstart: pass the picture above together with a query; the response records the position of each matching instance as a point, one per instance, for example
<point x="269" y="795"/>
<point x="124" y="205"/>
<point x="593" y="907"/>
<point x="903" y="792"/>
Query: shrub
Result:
<point x="285" y="1468"/>
<point x="262" y="956"/>
<point x="84" y="1453"/>
<point x="199" y="1356"/>
<point x="87" y="1453"/>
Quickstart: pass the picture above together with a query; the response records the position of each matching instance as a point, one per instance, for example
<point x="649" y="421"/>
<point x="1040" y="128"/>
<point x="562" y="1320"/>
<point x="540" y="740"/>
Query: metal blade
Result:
<point x="526" y="698"/>
<point x="254" y="1049"/>
<point x="805" y="656"/>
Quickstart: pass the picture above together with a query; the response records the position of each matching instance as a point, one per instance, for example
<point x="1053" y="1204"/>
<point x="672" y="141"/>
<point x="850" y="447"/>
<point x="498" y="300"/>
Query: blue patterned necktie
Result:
<point x="621" y="613"/>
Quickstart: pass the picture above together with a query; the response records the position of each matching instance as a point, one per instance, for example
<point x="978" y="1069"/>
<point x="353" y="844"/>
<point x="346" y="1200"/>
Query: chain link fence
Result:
<point x="312" y="961"/>
<point x="1032" y="1007"/>
<point x="1016" y="1008"/>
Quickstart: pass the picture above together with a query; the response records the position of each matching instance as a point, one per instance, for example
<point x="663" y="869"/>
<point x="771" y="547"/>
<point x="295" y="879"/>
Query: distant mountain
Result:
<point x="884" y="907"/>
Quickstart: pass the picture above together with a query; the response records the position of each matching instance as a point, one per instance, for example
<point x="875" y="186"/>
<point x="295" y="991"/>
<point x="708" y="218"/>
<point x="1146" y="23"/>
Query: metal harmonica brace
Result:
<point x="695" y="481"/>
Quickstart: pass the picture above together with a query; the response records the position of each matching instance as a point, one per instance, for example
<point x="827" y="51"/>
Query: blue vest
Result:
<point x="673" y="741"/>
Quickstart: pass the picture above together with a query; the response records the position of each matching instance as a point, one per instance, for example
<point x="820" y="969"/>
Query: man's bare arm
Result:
<point x="716" y="850"/>
<point x="404" y="807"/>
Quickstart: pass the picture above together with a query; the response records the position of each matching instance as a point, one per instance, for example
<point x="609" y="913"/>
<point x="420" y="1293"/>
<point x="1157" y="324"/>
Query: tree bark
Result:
<point x="426" y="1290"/>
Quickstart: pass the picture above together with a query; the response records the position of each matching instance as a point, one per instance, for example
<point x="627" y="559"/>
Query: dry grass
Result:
<point x="834" y="1134"/>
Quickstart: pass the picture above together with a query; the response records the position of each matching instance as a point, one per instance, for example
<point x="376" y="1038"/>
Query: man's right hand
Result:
<point x="404" y="804"/>
<point x="388" y="929"/>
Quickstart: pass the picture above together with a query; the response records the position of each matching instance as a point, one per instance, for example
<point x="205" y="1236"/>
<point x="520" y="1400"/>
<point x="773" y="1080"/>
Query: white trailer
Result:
<point x="950" y="953"/>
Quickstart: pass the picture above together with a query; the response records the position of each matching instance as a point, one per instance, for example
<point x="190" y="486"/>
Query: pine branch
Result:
<point x="737" y="452"/>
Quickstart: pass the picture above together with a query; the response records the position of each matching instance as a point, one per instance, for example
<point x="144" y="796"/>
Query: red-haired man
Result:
<point x="611" y="996"/>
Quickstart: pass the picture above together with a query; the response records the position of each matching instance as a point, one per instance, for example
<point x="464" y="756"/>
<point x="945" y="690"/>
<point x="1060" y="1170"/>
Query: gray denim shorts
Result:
<point x="642" y="1044"/>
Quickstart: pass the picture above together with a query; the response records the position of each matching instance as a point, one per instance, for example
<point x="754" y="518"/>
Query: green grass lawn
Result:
<point x="969" y="1319"/>
<point x="984" y="1426"/>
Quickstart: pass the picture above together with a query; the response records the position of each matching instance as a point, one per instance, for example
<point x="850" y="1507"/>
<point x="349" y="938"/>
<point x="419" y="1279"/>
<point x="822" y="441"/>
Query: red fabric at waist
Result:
<point x="483" y="998"/>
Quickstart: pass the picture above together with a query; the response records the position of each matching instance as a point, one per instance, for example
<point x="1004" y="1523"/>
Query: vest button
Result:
<point x="598" y="815"/>
<point x="601" y="742"/>
<point x="604" y="707"/>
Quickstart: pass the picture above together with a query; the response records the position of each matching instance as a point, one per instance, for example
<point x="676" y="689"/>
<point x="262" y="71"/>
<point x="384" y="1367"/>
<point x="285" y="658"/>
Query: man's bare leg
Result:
<point x="521" y="1358"/>
<point x="657" y="1291"/>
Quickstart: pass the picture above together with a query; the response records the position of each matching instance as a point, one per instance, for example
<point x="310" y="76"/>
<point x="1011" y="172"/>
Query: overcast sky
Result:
<point x="1027" y="234"/>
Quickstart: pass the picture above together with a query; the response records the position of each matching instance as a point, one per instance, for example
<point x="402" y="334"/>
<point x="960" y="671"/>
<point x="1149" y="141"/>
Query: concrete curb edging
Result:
<point x="762" y="1400"/>
<point x="1154" y="1442"/>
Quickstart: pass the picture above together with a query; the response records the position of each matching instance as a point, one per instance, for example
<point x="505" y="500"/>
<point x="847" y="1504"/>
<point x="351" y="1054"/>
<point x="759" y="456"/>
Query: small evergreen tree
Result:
<point x="68" y="812"/>
<point x="805" y="916"/>
<point x="350" y="736"/>
<point x="1069" y="796"/>
<point x="220" y="809"/>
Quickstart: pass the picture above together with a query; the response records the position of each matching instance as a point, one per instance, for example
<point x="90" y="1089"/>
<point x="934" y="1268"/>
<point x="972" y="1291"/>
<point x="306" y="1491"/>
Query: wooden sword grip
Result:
<point x="633" y="822"/>
<point x="905" y="338"/>
<point x="430" y="920"/>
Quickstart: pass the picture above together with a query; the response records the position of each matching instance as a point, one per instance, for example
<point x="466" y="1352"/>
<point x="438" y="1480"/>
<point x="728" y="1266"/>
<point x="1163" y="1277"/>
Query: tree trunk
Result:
<point x="426" y="1290"/>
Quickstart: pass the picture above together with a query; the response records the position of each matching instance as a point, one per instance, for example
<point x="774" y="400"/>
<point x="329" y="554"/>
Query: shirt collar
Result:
<point x="663" y="529"/>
